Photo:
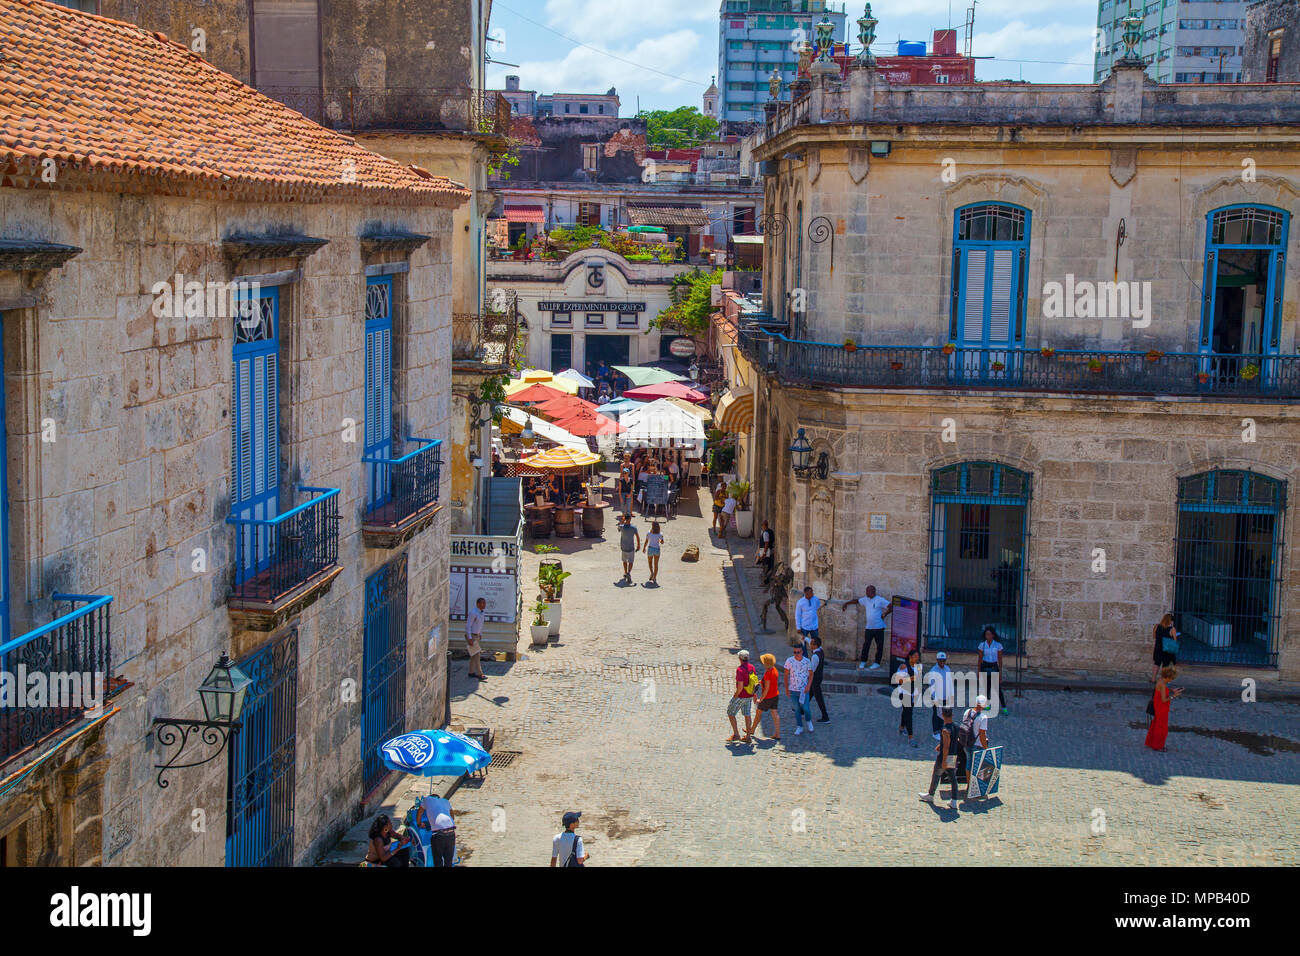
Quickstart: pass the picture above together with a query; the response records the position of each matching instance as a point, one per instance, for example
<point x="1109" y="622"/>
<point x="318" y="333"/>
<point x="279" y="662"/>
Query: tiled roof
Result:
<point x="116" y="107"/>
<point x="640" y="214"/>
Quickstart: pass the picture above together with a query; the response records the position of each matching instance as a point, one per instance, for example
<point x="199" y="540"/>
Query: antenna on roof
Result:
<point x="970" y="25"/>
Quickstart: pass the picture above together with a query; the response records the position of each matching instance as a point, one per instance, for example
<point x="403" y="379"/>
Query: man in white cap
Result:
<point x="940" y="689"/>
<point x="973" y="734"/>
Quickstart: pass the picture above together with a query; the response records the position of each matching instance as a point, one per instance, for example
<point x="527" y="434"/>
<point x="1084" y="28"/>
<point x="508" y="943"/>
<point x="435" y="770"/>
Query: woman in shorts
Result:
<point x="653" y="545"/>
<point x="769" y="696"/>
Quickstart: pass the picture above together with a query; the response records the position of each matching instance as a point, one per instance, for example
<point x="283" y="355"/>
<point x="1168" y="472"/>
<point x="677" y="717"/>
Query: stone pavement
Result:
<point x="624" y="719"/>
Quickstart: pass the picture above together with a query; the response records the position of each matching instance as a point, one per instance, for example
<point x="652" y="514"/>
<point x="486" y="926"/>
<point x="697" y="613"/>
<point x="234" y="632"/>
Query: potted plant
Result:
<point x="896" y="366"/>
<point x="1202" y="377"/>
<point x="1250" y="372"/>
<point x="1155" y="355"/>
<point x="1046" y="352"/>
<point x="850" y="345"/>
<point x="1094" y="366"/>
<point x="997" y="366"/>
<point x="949" y="348"/>
<point x="539" y="630"/>
<point x="744" y="517"/>
<point x="550" y="579"/>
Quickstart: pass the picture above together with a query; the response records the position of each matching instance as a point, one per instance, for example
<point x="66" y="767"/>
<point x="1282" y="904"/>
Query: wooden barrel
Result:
<point x="593" y="521"/>
<point x="564" y="522"/>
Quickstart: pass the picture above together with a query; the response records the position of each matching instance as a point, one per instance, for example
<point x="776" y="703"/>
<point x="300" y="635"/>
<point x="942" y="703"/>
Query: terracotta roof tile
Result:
<point x="110" y="102"/>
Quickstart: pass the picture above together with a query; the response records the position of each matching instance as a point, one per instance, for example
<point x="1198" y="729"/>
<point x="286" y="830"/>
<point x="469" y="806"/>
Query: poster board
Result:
<point x="656" y="491"/>
<point x="985" y="769"/>
<point x="904" y="627"/>
<point x="486" y="566"/>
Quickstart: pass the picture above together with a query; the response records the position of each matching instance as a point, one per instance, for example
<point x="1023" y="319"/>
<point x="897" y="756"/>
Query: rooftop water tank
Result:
<point x="911" y="48"/>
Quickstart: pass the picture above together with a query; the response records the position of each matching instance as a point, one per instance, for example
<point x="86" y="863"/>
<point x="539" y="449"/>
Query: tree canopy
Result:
<point x="692" y="298"/>
<point x="682" y="128"/>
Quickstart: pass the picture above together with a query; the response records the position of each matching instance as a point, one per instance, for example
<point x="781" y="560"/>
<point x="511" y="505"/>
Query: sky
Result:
<point x="664" y="52"/>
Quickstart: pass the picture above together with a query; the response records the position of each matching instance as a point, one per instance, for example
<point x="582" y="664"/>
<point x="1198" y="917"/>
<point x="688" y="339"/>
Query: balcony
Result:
<point x="410" y="109"/>
<point x="286" y="563"/>
<point x="487" y="338"/>
<point x="404" y="492"/>
<point x="1249" y="378"/>
<point x="67" y="652"/>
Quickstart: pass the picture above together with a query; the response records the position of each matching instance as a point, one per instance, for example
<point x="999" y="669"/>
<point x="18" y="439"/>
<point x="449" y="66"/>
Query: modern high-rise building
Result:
<point x="1182" y="42"/>
<point x="757" y="36"/>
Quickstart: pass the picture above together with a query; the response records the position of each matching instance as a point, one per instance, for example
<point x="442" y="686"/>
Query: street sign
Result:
<point x="682" y="348"/>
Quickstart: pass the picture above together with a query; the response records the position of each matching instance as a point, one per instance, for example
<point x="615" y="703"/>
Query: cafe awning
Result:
<point x="645" y="215"/>
<point x="736" y="412"/>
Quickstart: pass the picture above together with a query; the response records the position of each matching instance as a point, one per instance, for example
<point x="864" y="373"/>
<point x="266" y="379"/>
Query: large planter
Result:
<point x="553" y="617"/>
<point x="539" y="633"/>
<point x="744" y="523"/>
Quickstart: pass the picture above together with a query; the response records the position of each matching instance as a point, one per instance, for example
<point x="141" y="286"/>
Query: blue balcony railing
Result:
<point x="1093" y="371"/>
<point x="73" y="655"/>
<point x="273" y="556"/>
<point x="403" y="487"/>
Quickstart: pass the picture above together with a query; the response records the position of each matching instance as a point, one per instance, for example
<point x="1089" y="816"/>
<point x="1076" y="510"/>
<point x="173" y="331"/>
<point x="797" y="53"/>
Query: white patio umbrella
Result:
<point x="573" y="375"/>
<point x="659" y="423"/>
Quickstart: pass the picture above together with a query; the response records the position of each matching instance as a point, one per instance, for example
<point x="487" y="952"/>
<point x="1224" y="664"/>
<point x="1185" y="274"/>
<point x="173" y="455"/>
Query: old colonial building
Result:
<point x="1042" y="341"/>
<point x="226" y="354"/>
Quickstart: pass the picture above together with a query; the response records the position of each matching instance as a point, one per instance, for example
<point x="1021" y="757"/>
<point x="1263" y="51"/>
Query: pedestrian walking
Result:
<point x="778" y="586"/>
<point x="877" y="609"/>
<point x="806" y="619"/>
<point x="623" y="493"/>
<point x="765" y="557"/>
<point x="817" y="663"/>
<point x="629" y="542"/>
<point x="1158" y="709"/>
<point x="908" y="678"/>
<point x="971" y="733"/>
<point x="728" y="510"/>
<point x="474" y="638"/>
<point x="941" y="689"/>
<point x="719" y="499"/>
<point x="797" y="674"/>
<point x="435" y="816"/>
<point x="1165" y="652"/>
<point x="991" y="663"/>
<point x="742" y="700"/>
<point x="945" y="760"/>
<point x="770" y="689"/>
<point x="653" y="545"/>
<point x="567" y="845"/>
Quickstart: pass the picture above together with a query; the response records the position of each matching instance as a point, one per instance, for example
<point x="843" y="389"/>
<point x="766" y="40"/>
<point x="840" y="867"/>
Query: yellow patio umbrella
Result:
<point x="559" y="459"/>
<point x="699" y="411"/>
<point x="559" y="384"/>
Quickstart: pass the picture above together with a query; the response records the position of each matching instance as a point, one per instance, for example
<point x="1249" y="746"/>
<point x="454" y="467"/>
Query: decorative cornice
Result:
<point x="288" y="246"/>
<point x="392" y="241"/>
<point x="27" y="255"/>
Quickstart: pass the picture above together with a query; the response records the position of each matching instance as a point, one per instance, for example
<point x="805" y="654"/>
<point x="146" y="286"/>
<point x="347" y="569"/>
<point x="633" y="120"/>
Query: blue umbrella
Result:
<point x="618" y="406"/>
<point x="433" y="753"/>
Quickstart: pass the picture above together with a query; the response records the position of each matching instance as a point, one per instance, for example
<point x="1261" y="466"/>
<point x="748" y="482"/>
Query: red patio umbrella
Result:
<point x="648" y="393"/>
<point x="565" y="406"/>
<point x="588" y="424"/>
<point x="534" y="394"/>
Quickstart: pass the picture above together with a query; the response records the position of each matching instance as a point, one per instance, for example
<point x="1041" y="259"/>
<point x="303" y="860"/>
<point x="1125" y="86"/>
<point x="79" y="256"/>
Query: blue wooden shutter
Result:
<point x="255" y="425"/>
<point x="379" y="384"/>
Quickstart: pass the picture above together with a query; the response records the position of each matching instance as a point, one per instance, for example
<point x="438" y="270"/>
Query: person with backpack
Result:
<point x="971" y="735"/>
<point x="567" y="845"/>
<point x="947" y="751"/>
<point x="742" y="701"/>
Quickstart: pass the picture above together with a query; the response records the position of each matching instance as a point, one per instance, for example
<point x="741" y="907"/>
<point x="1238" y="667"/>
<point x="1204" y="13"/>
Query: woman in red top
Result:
<point x="1159" y="730"/>
<point x="769" y="695"/>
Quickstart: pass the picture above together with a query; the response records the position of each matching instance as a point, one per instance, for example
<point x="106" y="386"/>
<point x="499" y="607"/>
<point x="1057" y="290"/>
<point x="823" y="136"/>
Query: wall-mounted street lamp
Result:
<point x="222" y="694"/>
<point x="526" y="437"/>
<point x="801" y="460"/>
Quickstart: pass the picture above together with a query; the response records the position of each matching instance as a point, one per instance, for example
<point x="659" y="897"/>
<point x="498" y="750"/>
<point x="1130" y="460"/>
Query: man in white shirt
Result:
<point x="990" y="651"/>
<point x="877" y="609"/>
<point x="806" y="620"/>
<point x="566" y="847"/>
<point x="941" y="688"/>
<point x="474" y="637"/>
<point x="798" y="672"/>
<point x="728" y="510"/>
<point x="436" y="816"/>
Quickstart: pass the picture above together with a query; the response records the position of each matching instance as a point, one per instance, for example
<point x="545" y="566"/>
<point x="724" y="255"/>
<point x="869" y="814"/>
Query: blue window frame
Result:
<point x="379" y="387"/>
<point x="989" y="271"/>
<point x="1228" y="571"/>
<point x="1241" y="311"/>
<point x="979" y="543"/>
<point x="255" y="422"/>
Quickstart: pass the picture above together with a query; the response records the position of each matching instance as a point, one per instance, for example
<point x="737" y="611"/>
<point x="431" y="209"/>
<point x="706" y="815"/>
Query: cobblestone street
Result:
<point x="624" y="719"/>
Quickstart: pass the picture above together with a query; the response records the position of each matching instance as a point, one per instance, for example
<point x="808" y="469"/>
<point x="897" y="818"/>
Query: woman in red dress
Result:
<point x="1159" y="730"/>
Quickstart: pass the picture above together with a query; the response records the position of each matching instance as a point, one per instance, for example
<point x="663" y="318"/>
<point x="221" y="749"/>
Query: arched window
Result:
<point x="989" y="270"/>
<point x="1241" y="315"/>
<point x="979" y="528"/>
<point x="1227" y="577"/>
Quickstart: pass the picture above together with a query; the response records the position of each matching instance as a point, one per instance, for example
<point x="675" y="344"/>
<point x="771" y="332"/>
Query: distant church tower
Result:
<point x="711" y="100"/>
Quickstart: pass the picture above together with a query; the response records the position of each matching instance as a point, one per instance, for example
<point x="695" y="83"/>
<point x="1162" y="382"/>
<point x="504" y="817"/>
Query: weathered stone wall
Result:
<point x="1262" y="18"/>
<point x="1104" y="476"/>
<point x="138" y="479"/>
<point x="893" y="223"/>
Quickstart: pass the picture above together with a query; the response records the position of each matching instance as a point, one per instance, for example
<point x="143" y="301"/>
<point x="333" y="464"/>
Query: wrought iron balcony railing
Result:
<point x="1090" y="371"/>
<point x="276" y="555"/>
<point x="401" y="488"/>
<point x="487" y="337"/>
<point x="414" y="109"/>
<point x="73" y="655"/>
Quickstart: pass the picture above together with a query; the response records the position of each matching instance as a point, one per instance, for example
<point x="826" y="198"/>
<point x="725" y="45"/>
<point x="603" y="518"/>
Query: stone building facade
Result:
<point x="1272" y="50"/>
<point x="1053" y="373"/>
<point x="236" y="373"/>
